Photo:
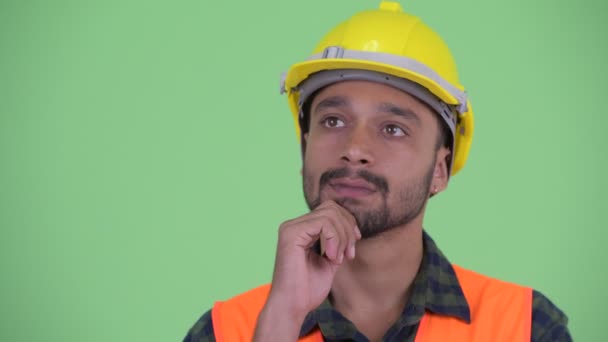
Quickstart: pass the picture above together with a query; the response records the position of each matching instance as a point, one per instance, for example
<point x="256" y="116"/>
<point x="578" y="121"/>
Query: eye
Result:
<point x="332" y="122"/>
<point x="393" y="130"/>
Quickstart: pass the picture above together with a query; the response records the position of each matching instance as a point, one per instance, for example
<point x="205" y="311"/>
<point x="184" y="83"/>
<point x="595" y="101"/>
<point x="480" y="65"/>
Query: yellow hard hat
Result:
<point x="392" y="47"/>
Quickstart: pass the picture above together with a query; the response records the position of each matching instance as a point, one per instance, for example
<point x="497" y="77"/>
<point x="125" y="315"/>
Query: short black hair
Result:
<point x="444" y="138"/>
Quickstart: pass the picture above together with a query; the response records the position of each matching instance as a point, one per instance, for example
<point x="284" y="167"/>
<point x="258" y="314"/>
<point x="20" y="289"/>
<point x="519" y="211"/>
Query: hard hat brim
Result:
<point x="300" y="71"/>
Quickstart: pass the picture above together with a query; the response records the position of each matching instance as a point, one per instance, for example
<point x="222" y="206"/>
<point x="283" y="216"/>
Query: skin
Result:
<point x="370" y="236"/>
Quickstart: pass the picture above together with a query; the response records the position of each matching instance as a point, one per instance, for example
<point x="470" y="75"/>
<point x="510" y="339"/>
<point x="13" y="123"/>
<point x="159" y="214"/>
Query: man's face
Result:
<point x="373" y="149"/>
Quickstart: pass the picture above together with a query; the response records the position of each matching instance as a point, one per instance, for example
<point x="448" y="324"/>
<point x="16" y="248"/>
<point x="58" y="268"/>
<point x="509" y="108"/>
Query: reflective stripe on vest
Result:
<point x="500" y="311"/>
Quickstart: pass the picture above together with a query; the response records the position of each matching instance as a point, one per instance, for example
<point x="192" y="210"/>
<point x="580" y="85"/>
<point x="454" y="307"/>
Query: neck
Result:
<point x="381" y="275"/>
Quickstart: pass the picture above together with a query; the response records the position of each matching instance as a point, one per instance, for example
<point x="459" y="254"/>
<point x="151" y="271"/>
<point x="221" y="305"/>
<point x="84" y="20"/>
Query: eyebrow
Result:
<point x="332" y="102"/>
<point x="384" y="107"/>
<point x="387" y="107"/>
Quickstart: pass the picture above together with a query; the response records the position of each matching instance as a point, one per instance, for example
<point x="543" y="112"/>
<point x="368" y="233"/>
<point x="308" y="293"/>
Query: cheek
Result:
<point x="317" y="160"/>
<point x="310" y="169"/>
<point x="396" y="163"/>
<point x="310" y="180"/>
<point x="401" y="169"/>
<point x="319" y="139"/>
<point x="321" y="150"/>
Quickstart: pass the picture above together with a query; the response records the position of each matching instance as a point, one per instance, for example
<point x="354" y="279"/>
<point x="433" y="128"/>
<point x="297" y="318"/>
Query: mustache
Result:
<point x="379" y="182"/>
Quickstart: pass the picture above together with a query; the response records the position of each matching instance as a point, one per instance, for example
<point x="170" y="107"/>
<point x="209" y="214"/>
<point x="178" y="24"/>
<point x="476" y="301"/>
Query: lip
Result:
<point x="352" y="187"/>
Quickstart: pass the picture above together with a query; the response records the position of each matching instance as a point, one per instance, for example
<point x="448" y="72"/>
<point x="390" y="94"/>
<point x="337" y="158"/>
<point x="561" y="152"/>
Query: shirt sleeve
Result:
<point x="549" y="323"/>
<point x="202" y="331"/>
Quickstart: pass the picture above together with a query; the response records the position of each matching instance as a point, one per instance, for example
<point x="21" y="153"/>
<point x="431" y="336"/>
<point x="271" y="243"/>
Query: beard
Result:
<point x="410" y="199"/>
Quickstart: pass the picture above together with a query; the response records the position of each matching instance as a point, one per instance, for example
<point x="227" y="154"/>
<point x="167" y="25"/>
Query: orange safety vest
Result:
<point x="500" y="311"/>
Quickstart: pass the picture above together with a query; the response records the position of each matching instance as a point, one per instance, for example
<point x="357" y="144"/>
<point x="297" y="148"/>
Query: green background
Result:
<point x="147" y="159"/>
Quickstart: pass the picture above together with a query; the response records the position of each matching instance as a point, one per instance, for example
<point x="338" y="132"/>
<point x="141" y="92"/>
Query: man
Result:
<point x="384" y="123"/>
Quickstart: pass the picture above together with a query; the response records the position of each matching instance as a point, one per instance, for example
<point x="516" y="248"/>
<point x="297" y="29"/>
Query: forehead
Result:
<point x="366" y="93"/>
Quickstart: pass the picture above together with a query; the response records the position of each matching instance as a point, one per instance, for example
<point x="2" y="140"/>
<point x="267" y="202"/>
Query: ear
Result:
<point x="441" y="174"/>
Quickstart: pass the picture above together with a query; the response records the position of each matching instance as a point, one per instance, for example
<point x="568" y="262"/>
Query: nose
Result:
<point x="358" y="148"/>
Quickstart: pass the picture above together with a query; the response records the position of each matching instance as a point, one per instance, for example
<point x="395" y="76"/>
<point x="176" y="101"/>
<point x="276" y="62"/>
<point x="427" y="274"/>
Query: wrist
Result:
<point x="278" y="322"/>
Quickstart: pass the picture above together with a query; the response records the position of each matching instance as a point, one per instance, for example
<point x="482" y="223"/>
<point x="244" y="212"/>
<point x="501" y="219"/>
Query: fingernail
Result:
<point x="352" y="251"/>
<point x="341" y="258"/>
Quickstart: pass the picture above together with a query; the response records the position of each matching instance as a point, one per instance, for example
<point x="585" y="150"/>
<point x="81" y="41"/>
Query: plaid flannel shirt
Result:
<point x="435" y="288"/>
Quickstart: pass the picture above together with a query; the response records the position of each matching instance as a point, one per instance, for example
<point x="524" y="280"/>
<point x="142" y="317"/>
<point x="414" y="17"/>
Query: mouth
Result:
<point x="352" y="187"/>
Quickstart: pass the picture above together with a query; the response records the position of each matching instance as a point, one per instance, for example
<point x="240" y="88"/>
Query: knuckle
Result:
<point x="331" y="205"/>
<point x="285" y="228"/>
<point x="350" y="218"/>
<point x="326" y="204"/>
<point x="328" y="220"/>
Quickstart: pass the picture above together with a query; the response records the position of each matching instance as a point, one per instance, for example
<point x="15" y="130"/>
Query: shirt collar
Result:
<point x="435" y="288"/>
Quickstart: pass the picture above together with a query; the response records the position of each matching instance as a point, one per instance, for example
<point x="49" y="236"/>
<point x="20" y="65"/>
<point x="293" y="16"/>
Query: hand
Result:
<point x="302" y="278"/>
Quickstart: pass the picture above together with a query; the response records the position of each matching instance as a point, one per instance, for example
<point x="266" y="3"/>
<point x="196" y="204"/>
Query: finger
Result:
<point x="332" y="205"/>
<point x="322" y="248"/>
<point x="330" y="242"/>
<point x="334" y="216"/>
<point x="351" y="229"/>
<point x="303" y="232"/>
<point x="342" y="241"/>
<point x="312" y="225"/>
<point x="335" y="246"/>
<point x="349" y="236"/>
<point x="325" y="207"/>
<point x="352" y="240"/>
<point x="350" y="218"/>
<point x="347" y="223"/>
<point x="326" y="229"/>
<point x="357" y="232"/>
<point x="337" y="220"/>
